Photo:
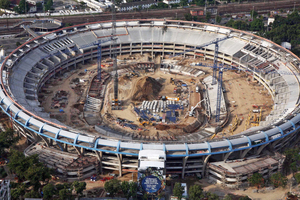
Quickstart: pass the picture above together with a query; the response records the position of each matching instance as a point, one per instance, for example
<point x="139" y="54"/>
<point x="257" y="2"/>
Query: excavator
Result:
<point x="144" y="122"/>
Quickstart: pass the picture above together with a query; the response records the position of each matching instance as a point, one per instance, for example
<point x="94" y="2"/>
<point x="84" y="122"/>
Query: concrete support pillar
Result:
<point x="131" y="48"/>
<point x="152" y="50"/>
<point x="99" y="156"/>
<point x="275" y="143"/>
<point x="259" y="150"/>
<point x="226" y="156"/>
<point x="46" y="140"/>
<point x="141" y="48"/>
<point x="120" y="53"/>
<point x="243" y="153"/>
<point x="120" y="164"/>
<point x="204" y="164"/>
<point x="50" y="142"/>
<point x="183" y="166"/>
<point x="65" y="147"/>
<point x="82" y="150"/>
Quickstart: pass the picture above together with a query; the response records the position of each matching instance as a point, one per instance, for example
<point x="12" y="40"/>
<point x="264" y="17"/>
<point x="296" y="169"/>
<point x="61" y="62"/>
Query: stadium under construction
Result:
<point x="207" y="99"/>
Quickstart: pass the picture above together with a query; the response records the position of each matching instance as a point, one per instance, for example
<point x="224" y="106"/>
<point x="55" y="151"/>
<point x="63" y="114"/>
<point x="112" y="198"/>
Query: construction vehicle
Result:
<point x="115" y="102"/>
<point x="172" y="81"/>
<point x="193" y="81"/>
<point x="134" y="74"/>
<point x="146" y="123"/>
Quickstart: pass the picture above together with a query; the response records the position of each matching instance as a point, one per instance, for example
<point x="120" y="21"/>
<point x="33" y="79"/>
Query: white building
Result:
<point x="136" y="5"/>
<point x="171" y="1"/>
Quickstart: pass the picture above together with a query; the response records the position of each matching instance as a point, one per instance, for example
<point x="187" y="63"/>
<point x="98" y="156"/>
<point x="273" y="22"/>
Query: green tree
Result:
<point x="28" y="168"/>
<point x="65" y="194"/>
<point x="32" y="194"/>
<point x="244" y="198"/>
<point x="48" y="191"/>
<point x="79" y="187"/>
<point x="133" y="187"/>
<point x="256" y="180"/>
<point x="212" y="196"/>
<point x="188" y="17"/>
<point x="112" y="187"/>
<point x="297" y="177"/>
<point x="291" y="158"/>
<point x="7" y="139"/>
<point x="18" y="192"/>
<point x="218" y="19"/>
<point x="48" y="5"/>
<point x="4" y="4"/>
<point x="22" y="8"/>
<point x="125" y="189"/>
<point x="178" y="190"/>
<point x="253" y="14"/>
<point x="278" y="180"/>
<point x="207" y="16"/>
<point x="227" y="197"/>
<point x="183" y="2"/>
<point x="196" y="192"/>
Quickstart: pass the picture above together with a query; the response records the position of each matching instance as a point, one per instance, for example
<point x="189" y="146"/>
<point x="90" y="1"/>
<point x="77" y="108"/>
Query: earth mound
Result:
<point x="147" y="88"/>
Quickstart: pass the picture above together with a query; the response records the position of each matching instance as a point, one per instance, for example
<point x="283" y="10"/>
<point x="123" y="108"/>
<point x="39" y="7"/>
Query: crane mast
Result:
<point x="114" y="56"/>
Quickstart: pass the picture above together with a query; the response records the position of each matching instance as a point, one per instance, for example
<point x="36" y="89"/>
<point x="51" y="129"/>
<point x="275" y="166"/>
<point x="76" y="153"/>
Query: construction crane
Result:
<point x="115" y="101"/>
<point x="99" y="56"/>
<point x="216" y="43"/>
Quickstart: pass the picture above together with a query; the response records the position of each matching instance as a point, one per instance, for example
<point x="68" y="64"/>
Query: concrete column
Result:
<point x="204" y="164"/>
<point x="243" y="153"/>
<point x="120" y="49"/>
<point x="120" y="164"/>
<point x="226" y="156"/>
<point x="183" y="165"/>
<point x="141" y="48"/>
<point x="130" y="48"/>
<point x="46" y="140"/>
<point x="99" y="156"/>
<point x="152" y="50"/>
<point x="65" y="147"/>
<point x="259" y="150"/>
<point x="82" y="150"/>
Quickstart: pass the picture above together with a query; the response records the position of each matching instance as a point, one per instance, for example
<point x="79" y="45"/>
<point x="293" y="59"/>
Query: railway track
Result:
<point x="261" y="7"/>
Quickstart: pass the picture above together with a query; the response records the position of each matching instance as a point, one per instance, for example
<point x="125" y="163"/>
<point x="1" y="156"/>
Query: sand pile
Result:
<point x="147" y="88"/>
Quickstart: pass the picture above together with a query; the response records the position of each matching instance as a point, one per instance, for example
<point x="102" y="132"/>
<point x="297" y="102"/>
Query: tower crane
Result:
<point x="115" y="101"/>
<point x="99" y="50"/>
<point x="215" y="42"/>
<point x="215" y="67"/>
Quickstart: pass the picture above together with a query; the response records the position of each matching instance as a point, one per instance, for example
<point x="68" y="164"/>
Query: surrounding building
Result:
<point x="138" y="5"/>
<point x="4" y="190"/>
<point x="235" y="173"/>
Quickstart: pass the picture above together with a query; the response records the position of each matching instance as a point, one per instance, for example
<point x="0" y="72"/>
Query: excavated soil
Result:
<point x="147" y="88"/>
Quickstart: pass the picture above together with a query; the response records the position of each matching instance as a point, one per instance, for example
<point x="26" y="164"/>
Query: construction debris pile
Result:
<point x="67" y="165"/>
<point x="60" y="99"/>
<point x="147" y="89"/>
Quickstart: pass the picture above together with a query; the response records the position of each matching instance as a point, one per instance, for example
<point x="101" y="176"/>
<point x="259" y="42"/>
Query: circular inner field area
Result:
<point x="156" y="101"/>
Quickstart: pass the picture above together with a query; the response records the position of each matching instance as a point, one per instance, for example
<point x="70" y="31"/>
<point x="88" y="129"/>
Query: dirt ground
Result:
<point x="126" y="89"/>
<point x="241" y="93"/>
